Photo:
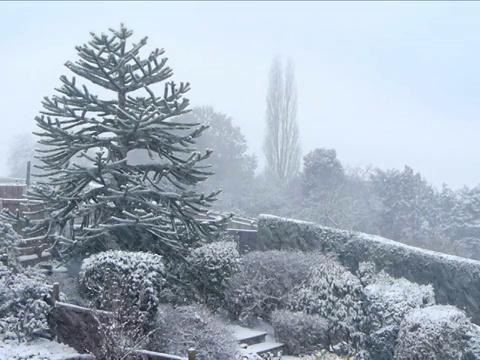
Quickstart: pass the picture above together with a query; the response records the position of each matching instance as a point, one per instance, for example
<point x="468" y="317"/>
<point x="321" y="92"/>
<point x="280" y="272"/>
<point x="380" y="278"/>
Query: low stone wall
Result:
<point x="456" y="280"/>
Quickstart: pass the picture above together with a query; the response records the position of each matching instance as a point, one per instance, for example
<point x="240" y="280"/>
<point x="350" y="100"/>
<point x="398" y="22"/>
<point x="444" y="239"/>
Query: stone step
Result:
<point x="28" y="260"/>
<point x="248" y="336"/>
<point x="266" y="347"/>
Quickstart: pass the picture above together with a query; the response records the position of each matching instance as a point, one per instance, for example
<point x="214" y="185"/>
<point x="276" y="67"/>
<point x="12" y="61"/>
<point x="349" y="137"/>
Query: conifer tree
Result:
<point x="116" y="204"/>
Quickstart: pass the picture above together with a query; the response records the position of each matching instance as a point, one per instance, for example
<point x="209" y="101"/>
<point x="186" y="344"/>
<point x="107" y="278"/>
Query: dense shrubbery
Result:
<point x="123" y="281"/>
<point x="334" y="293"/>
<point x="213" y="264"/>
<point x="203" y="277"/>
<point x="181" y="328"/>
<point x="301" y="333"/>
<point x="431" y="333"/>
<point x="389" y="299"/>
<point x="24" y="307"/>
<point x="264" y="281"/>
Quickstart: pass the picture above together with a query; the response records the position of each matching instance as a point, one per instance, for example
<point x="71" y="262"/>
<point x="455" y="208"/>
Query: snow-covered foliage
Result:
<point x="381" y="343"/>
<point x="179" y="329"/>
<point x="432" y="333"/>
<point x="389" y="299"/>
<point x="213" y="264"/>
<point x="9" y="240"/>
<point x="133" y="210"/>
<point x="23" y="304"/>
<point x="264" y="281"/>
<point x="300" y="332"/>
<point x="133" y="279"/>
<point x="334" y="293"/>
<point x="455" y="280"/>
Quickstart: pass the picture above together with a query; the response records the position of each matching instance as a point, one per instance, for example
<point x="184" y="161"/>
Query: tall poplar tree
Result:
<point x="282" y="144"/>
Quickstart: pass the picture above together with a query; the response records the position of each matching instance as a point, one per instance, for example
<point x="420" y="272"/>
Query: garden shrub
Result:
<point x="24" y="304"/>
<point x="336" y="294"/>
<point x="264" y="281"/>
<point x="300" y="332"/>
<point x="431" y="333"/>
<point x="388" y="300"/>
<point x="203" y="277"/>
<point x="381" y="343"/>
<point x="179" y="329"/>
<point x="213" y="264"/>
<point x="122" y="281"/>
<point x="9" y="240"/>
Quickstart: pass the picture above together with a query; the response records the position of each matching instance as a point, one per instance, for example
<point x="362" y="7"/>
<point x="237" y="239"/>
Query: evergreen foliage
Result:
<point x="111" y="203"/>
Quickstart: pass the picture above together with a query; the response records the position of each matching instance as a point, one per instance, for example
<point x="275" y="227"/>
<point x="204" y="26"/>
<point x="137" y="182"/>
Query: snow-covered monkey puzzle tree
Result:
<point x="116" y="204"/>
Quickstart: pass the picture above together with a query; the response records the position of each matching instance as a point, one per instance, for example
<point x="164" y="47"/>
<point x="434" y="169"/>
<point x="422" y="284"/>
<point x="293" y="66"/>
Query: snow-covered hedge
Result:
<point x="300" y="332"/>
<point x="264" y="281"/>
<point x="179" y="329"/>
<point x="123" y="281"/>
<point x="456" y="280"/>
<point x="389" y="299"/>
<point x="432" y="333"/>
<point x="336" y="294"/>
<point x="24" y="298"/>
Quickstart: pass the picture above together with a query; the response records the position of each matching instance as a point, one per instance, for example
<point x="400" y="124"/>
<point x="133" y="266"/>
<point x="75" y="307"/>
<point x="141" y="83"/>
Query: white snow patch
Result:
<point x="40" y="349"/>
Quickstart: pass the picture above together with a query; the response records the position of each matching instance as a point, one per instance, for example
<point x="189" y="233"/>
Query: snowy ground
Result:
<point x="39" y="349"/>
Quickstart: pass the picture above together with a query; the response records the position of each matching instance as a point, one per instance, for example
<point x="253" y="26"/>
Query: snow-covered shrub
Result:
<point x="381" y="343"/>
<point x="122" y="281"/>
<point x="300" y="332"/>
<point x="179" y="329"/>
<point x="472" y="352"/>
<point x="203" y="277"/>
<point x="24" y="304"/>
<point x="9" y="240"/>
<point x="432" y="333"/>
<point x="213" y="264"/>
<point x="264" y="281"/>
<point x="366" y="272"/>
<point x="337" y="295"/>
<point x="389" y="299"/>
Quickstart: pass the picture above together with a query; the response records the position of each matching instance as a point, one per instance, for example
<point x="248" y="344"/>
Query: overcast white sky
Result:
<point x="384" y="83"/>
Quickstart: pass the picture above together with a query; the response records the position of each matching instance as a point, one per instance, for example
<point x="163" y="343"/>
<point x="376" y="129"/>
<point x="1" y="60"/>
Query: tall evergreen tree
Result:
<point x="117" y="204"/>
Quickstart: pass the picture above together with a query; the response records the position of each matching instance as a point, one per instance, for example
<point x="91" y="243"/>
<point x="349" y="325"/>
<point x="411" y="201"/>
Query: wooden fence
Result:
<point x="145" y="354"/>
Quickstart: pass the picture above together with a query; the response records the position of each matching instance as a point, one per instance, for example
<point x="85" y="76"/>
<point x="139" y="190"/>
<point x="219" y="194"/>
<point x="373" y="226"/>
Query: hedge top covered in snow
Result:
<point x="455" y="280"/>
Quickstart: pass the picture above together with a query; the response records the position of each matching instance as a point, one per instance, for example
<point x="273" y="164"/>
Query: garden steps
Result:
<point x="29" y="260"/>
<point x="256" y="340"/>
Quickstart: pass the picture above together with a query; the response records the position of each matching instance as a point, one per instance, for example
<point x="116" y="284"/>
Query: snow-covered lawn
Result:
<point x="39" y="349"/>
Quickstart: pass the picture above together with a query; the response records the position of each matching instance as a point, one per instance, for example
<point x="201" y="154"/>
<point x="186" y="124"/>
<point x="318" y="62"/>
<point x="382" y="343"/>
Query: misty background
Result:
<point x="383" y="83"/>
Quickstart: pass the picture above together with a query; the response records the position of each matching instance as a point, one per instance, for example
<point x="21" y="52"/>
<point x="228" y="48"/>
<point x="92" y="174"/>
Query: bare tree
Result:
<point x="282" y="146"/>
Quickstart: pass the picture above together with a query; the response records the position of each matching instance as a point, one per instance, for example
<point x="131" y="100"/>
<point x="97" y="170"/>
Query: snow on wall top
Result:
<point x="456" y="280"/>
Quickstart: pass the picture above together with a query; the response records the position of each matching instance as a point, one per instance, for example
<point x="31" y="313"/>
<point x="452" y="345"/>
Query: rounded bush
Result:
<point x="388" y="300"/>
<point x="334" y="293"/>
<point x="179" y="329"/>
<point x="213" y="264"/>
<point x="122" y="281"/>
<point x="264" y="280"/>
<point x="300" y="332"/>
<point x="434" y="332"/>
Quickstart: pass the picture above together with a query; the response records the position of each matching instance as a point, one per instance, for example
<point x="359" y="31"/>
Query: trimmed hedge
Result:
<point x="456" y="280"/>
<point x="127" y="282"/>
